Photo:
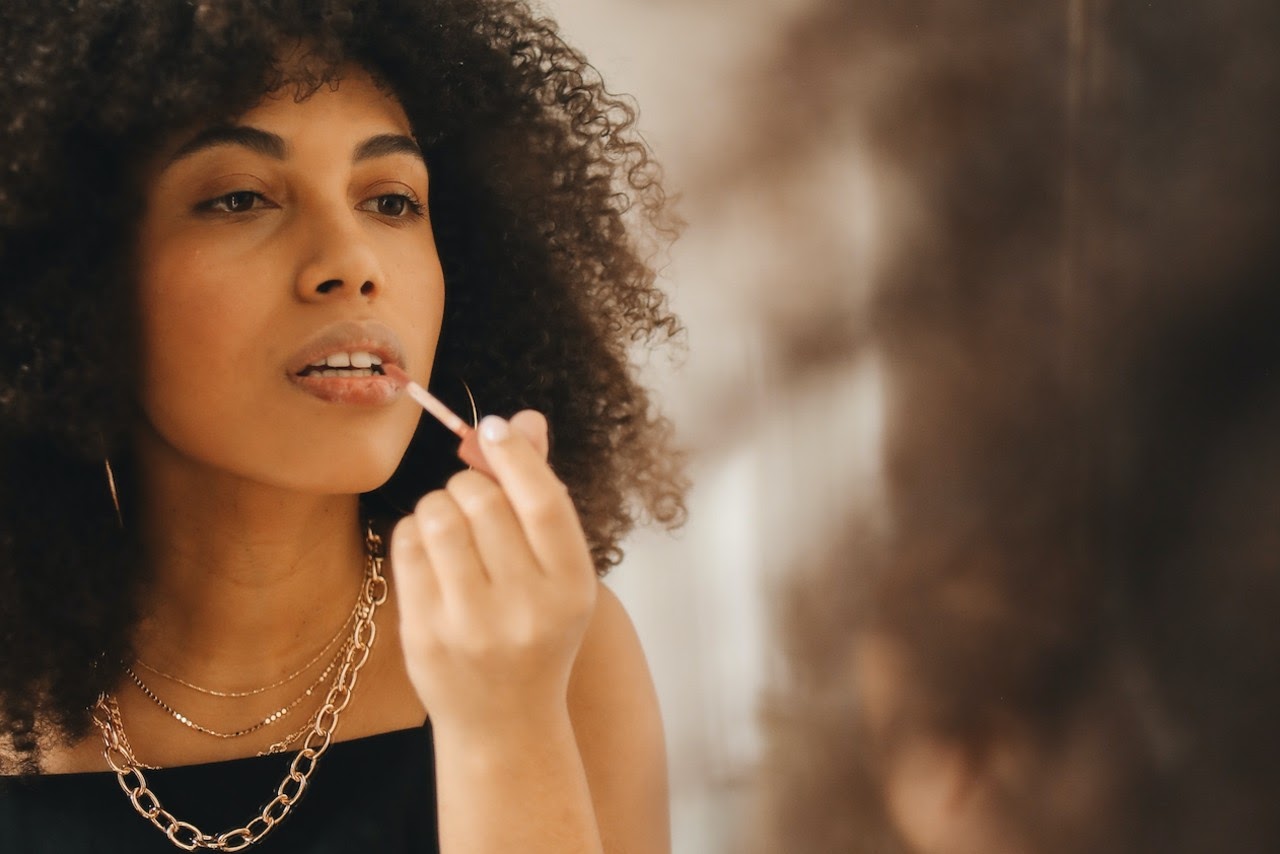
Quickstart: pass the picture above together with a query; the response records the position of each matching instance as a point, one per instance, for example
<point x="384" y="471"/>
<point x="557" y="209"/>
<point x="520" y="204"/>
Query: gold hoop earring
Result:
<point x="115" y="496"/>
<point x="475" y="412"/>
<point x="475" y="425"/>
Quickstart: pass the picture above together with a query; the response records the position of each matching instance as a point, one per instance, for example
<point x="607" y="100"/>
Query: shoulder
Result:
<point x="618" y="726"/>
<point x="611" y="661"/>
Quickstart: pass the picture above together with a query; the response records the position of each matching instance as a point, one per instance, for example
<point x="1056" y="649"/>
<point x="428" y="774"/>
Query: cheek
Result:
<point x="194" y="326"/>
<point x="418" y="296"/>
<point x="206" y="344"/>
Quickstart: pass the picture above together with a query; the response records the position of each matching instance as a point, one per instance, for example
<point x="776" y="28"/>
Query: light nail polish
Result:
<point x="494" y="429"/>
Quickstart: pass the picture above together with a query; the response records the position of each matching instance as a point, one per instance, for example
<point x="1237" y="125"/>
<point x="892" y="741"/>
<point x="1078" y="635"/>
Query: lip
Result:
<point x="349" y="336"/>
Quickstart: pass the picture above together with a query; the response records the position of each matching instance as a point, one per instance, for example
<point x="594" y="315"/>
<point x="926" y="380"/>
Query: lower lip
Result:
<point x="376" y="390"/>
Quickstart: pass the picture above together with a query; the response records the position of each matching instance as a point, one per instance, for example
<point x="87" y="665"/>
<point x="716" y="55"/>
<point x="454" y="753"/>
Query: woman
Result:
<point x="1058" y="635"/>
<point x="224" y="223"/>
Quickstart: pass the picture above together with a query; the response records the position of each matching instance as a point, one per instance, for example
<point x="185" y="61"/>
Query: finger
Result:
<point x="498" y="536"/>
<point x="533" y="424"/>
<point x="450" y="551"/>
<point x="538" y="498"/>
<point x="411" y="571"/>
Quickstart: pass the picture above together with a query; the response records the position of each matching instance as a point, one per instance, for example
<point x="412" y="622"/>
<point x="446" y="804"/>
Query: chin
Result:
<point x="336" y="463"/>
<point x="355" y="468"/>
<point x="343" y="459"/>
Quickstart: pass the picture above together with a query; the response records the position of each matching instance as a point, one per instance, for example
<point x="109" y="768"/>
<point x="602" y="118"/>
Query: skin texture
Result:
<point x="497" y="626"/>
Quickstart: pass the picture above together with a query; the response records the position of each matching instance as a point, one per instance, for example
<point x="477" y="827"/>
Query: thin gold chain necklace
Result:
<point x="270" y="719"/>
<point x="342" y="630"/>
<point x="283" y="744"/>
<point x="187" y="836"/>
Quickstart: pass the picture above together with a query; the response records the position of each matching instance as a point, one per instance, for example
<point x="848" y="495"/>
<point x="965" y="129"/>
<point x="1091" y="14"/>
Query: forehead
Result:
<point x="352" y="99"/>
<point x="334" y="115"/>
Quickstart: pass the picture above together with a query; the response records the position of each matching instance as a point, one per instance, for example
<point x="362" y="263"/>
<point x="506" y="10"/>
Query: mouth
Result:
<point x="349" y="347"/>
<point x="345" y="365"/>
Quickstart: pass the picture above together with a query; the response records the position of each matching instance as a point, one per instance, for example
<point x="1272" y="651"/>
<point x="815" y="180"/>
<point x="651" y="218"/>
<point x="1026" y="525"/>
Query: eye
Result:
<point x="238" y="201"/>
<point x="394" y="205"/>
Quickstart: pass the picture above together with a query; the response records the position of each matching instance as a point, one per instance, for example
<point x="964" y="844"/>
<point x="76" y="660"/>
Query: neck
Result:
<point x="247" y="580"/>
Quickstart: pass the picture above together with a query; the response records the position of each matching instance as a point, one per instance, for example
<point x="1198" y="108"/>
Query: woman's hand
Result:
<point x="498" y="609"/>
<point x="496" y="586"/>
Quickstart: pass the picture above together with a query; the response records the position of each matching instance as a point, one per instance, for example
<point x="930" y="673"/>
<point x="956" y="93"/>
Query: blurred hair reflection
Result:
<point x="1063" y="635"/>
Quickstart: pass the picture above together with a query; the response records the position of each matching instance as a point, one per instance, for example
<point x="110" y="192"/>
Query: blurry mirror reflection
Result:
<point x="980" y="389"/>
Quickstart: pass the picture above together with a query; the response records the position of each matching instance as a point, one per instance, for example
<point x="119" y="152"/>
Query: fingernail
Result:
<point x="494" y="429"/>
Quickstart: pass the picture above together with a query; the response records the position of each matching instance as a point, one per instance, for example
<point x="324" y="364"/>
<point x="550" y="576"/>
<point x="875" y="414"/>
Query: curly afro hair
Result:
<point x="547" y="208"/>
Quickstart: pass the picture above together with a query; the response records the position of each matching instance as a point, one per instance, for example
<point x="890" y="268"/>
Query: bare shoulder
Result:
<point x="611" y="662"/>
<point x="619" y="730"/>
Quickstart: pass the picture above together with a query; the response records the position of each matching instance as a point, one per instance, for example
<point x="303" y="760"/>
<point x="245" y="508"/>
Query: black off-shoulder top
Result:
<point x="373" y="795"/>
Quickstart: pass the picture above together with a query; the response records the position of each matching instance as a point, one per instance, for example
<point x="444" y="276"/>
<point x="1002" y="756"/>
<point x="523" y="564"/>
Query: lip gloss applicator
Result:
<point x="469" y="450"/>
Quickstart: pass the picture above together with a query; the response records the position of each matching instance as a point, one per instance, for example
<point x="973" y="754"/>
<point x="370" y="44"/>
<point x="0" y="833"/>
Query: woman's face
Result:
<point x="295" y="234"/>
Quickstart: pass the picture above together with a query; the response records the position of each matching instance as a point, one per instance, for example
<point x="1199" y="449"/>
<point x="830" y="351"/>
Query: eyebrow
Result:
<point x="254" y="139"/>
<point x="385" y="144"/>
<point x="271" y="145"/>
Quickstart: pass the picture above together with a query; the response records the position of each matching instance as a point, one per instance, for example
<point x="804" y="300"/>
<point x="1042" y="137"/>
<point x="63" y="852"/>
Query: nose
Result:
<point x="339" y="261"/>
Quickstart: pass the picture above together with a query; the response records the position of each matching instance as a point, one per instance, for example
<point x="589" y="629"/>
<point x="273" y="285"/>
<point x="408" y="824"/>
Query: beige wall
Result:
<point x="779" y="451"/>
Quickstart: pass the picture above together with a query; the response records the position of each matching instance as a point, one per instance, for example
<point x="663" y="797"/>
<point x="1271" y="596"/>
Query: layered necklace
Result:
<point x="270" y="719"/>
<point x="316" y="734"/>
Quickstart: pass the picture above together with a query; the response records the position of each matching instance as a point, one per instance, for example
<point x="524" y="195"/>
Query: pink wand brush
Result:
<point x="469" y="451"/>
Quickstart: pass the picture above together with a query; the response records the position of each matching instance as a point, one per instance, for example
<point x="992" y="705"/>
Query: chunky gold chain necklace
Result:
<point x="112" y="710"/>
<point x="188" y="837"/>
<point x="255" y="691"/>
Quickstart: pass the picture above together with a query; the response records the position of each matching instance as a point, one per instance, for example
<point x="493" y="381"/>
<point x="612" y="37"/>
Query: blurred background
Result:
<point x="1084" y="389"/>
<point x="746" y="104"/>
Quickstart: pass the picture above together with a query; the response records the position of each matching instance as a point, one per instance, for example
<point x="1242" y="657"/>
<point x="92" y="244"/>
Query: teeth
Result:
<point x="360" y="360"/>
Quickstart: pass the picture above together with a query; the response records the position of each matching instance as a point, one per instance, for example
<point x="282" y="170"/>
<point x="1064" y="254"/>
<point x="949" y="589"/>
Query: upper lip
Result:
<point x="349" y="336"/>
